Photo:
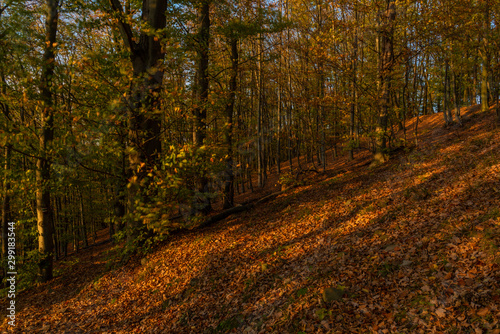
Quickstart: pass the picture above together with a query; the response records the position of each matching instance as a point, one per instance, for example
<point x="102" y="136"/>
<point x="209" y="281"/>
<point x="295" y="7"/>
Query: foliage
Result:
<point x="169" y="191"/>
<point x="287" y="180"/>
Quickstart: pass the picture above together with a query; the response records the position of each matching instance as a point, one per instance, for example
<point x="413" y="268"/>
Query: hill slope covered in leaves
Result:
<point x="411" y="246"/>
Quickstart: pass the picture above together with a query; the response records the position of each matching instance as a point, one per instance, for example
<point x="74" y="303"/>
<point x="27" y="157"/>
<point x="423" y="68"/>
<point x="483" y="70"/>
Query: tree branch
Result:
<point x="122" y="26"/>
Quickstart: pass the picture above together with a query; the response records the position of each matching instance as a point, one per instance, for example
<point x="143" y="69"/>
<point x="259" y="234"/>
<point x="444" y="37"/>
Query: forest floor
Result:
<point x="410" y="246"/>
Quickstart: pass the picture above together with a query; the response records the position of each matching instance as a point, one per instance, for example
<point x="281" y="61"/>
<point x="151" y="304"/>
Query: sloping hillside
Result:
<point x="411" y="246"/>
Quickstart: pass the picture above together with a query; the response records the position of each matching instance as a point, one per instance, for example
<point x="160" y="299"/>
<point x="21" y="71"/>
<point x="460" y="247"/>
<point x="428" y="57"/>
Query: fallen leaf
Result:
<point x="482" y="312"/>
<point x="440" y="312"/>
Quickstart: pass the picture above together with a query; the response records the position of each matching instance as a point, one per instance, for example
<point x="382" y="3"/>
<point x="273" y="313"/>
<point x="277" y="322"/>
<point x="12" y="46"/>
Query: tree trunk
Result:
<point x="280" y="108"/>
<point x="202" y="202"/>
<point x="354" y="102"/>
<point x="82" y="219"/>
<point x="485" y="57"/>
<point x="43" y="208"/>
<point x="447" y="119"/>
<point x="260" y="172"/>
<point x="426" y="90"/>
<point x="144" y="120"/>
<point x="120" y="191"/>
<point x="229" y="173"/>
<point x="386" y="64"/>
<point x="456" y="97"/>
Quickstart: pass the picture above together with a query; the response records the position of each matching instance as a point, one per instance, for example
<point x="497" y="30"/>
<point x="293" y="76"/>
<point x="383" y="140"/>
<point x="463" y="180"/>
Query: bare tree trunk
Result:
<point x="120" y="198"/>
<point x="260" y="162"/>
<point x="456" y="97"/>
<point x="202" y="203"/>
<point x="446" y="103"/>
<point x="289" y="89"/>
<point x="386" y="64"/>
<point x="485" y="66"/>
<point x="55" y="224"/>
<point x="323" y="117"/>
<point x="82" y="219"/>
<point x="497" y="101"/>
<point x="280" y="104"/>
<point x="229" y="173"/>
<point x="426" y="90"/>
<point x="43" y="208"/>
<point x="354" y="102"/>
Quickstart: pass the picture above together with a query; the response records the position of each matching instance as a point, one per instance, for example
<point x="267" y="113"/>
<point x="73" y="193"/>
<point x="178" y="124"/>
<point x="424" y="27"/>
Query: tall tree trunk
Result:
<point x="289" y="89"/>
<point x="456" y="97"/>
<point x="426" y="90"/>
<point x="354" y="102"/>
<point x="229" y="173"/>
<point x="485" y="66"/>
<point x="202" y="201"/>
<point x="386" y="64"/>
<point x="260" y="162"/>
<point x="43" y="208"/>
<point x="446" y="102"/>
<point x="278" y="137"/>
<point x="280" y="102"/>
<point x="144" y="120"/>
<point x="497" y="91"/>
<point x="322" y="116"/>
<point x="120" y="198"/>
<point x="82" y="218"/>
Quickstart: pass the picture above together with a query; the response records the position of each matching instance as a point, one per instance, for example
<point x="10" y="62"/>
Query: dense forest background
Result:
<point x="142" y="115"/>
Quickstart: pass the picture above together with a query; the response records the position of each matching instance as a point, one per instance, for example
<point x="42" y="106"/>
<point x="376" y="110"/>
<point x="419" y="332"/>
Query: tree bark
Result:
<point x="456" y="97"/>
<point x="446" y="100"/>
<point x="43" y="208"/>
<point x="202" y="202"/>
<point x="260" y="163"/>
<point x="229" y="173"/>
<point x="354" y="102"/>
<point x="386" y="64"/>
<point x="485" y="66"/>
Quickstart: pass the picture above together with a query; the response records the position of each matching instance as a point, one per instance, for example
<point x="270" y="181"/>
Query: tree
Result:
<point x="201" y="91"/>
<point x="485" y="54"/>
<point x="6" y="207"/>
<point x="229" y="174"/>
<point x="43" y="203"/>
<point x="144" y="122"/>
<point x="387" y="18"/>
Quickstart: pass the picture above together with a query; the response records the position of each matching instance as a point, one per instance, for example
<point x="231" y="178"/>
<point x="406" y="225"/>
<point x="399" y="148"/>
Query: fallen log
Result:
<point x="237" y="209"/>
